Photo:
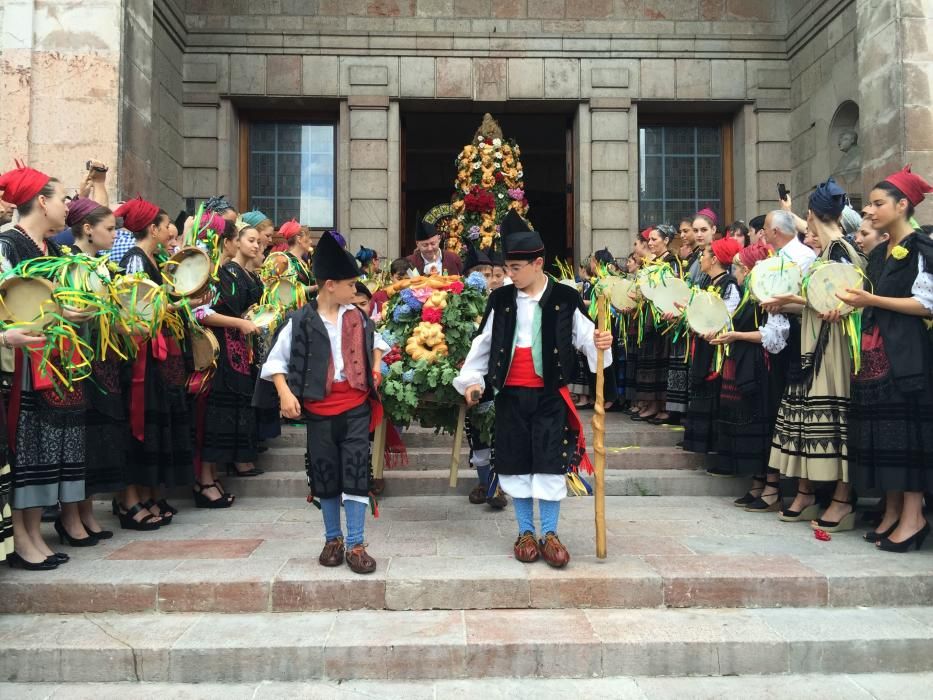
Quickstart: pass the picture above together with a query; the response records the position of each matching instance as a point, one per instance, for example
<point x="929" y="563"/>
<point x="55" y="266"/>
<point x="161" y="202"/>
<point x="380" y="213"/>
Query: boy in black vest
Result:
<point x="322" y="365"/>
<point x="526" y="351"/>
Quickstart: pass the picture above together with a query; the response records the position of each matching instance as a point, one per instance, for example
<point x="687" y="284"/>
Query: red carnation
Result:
<point x="479" y="200"/>
<point x="392" y="356"/>
<point x="455" y="287"/>
<point x="431" y="315"/>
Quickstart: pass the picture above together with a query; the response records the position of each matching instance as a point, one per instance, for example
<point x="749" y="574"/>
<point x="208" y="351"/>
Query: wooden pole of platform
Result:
<point x="379" y="448"/>
<point x="599" y="432"/>
<point x="458" y="441"/>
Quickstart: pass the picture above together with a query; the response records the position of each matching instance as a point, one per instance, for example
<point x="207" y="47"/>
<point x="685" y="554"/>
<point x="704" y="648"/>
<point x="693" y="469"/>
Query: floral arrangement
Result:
<point x="429" y="322"/>
<point x="489" y="183"/>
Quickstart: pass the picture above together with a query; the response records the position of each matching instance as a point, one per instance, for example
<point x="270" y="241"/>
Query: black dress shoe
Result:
<point x="15" y="561"/>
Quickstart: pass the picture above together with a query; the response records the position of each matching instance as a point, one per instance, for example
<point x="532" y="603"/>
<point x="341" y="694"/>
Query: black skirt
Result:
<point x="743" y="424"/>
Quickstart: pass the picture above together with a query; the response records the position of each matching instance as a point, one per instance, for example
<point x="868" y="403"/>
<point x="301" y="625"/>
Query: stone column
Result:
<point x="369" y="172"/>
<point x="610" y="207"/>
<point x="60" y="85"/>
<point x="895" y="67"/>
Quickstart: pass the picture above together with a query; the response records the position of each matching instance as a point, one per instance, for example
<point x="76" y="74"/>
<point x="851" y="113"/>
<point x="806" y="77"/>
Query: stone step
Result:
<point x="435" y="482"/>
<point x="444" y="553"/>
<point x="455" y="644"/>
<point x="855" y="686"/>
<point x="292" y="459"/>
<point x="616" y="435"/>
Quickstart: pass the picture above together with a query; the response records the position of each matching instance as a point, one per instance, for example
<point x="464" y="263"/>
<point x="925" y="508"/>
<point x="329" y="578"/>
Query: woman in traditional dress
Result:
<point x="46" y="427"/>
<point x="653" y="352"/>
<point x="745" y="420"/>
<point x="811" y="432"/>
<point x="297" y="247"/>
<point x="160" y="450"/>
<point x="891" y="435"/>
<point x="705" y="376"/>
<point x="229" y="434"/>
<point x="94" y="228"/>
<point x="660" y="242"/>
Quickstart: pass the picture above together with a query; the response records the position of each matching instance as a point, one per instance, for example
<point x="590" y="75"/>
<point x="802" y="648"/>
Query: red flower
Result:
<point x="392" y="356"/>
<point x="479" y="200"/>
<point x="455" y="287"/>
<point x="431" y="315"/>
<point x="499" y="176"/>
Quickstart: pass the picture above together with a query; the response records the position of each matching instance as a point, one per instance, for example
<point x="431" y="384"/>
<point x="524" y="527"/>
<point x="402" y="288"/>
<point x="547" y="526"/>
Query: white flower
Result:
<point x="521" y="173"/>
<point x="497" y="142"/>
<point x="498" y="165"/>
<point x="481" y="139"/>
<point x="501" y="196"/>
<point x="476" y="165"/>
<point x="499" y="155"/>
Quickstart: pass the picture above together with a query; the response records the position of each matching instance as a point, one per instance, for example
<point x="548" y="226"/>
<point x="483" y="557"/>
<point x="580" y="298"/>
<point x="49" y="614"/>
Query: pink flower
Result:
<point x="422" y="294"/>
<point x="517" y="194"/>
<point x="455" y="287"/>
<point x="431" y="315"/>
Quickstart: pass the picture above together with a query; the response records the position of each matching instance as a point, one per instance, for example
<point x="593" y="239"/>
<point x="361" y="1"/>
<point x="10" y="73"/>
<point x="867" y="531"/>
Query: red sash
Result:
<point x="342" y="398"/>
<point x="162" y="347"/>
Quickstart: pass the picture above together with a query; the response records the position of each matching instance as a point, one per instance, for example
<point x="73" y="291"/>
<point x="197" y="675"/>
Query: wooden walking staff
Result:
<point x="599" y="431"/>
<point x="458" y="441"/>
<point x="379" y="448"/>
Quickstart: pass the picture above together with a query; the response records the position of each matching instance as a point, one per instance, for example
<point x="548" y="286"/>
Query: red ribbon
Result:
<point x="161" y="347"/>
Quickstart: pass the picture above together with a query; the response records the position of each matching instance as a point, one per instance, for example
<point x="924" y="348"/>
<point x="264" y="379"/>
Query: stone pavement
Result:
<point x="878" y="686"/>
<point x="692" y="586"/>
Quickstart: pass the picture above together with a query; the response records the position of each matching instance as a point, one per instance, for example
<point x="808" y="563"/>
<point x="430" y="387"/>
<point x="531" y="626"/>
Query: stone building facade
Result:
<point x="167" y="90"/>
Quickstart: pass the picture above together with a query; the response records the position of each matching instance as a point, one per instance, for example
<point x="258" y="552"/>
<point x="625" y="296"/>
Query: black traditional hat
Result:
<point x="474" y="258"/>
<point x="333" y="262"/>
<point x="519" y="240"/>
<point x="425" y="231"/>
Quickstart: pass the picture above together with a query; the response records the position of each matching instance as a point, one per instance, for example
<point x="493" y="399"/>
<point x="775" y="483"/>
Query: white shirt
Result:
<point x="477" y="361"/>
<point x="433" y="266"/>
<point x="277" y="361"/>
<point x="798" y="253"/>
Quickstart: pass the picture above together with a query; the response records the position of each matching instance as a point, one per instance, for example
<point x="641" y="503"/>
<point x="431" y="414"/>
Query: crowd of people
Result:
<point x="783" y="391"/>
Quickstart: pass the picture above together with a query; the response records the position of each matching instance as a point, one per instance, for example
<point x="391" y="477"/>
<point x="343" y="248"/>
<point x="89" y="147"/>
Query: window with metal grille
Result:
<point x="292" y="172"/>
<point x="680" y="172"/>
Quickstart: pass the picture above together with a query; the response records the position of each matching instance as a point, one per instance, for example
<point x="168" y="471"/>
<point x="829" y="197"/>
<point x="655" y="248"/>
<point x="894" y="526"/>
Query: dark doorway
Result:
<point x="430" y="144"/>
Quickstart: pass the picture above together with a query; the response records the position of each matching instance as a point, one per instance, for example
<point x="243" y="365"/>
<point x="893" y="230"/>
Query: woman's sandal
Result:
<point x="128" y="520"/>
<point x="760" y="505"/>
<point x="808" y="513"/>
<point x="163" y="512"/>
<point x="846" y="523"/>
<point x="749" y="497"/>
<point x="202" y="501"/>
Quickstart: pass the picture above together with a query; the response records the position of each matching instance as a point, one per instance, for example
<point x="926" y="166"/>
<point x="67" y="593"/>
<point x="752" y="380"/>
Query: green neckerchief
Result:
<point x="535" y="337"/>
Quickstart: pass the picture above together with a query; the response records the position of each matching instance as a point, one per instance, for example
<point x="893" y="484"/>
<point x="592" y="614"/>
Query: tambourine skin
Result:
<point x="136" y="320"/>
<point x="204" y="349"/>
<point x="772" y="277"/>
<point x="707" y="313"/>
<point x="825" y="281"/>
<point x="188" y="272"/>
<point x="620" y="291"/>
<point x="670" y="292"/>
<point x="28" y="300"/>
<point x="263" y="315"/>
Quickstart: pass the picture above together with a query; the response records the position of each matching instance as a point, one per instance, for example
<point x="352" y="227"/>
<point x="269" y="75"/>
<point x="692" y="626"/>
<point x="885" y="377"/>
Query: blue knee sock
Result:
<point x="356" y="514"/>
<point x="550" y="512"/>
<point x="483" y="474"/>
<point x="330" y="508"/>
<point x="525" y="514"/>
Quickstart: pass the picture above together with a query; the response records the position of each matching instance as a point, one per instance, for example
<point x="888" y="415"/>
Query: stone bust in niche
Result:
<point x="849" y="168"/>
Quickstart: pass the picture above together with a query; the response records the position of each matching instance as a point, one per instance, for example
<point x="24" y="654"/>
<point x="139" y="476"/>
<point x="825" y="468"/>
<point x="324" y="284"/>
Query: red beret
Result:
<point x="725" y="249"/>
<point x="21" y="185"/>
<point x="913" y="186"/>
<point x="137" y="214"/>
<point x="290" y="229"/>
<point x="646" y="234"/>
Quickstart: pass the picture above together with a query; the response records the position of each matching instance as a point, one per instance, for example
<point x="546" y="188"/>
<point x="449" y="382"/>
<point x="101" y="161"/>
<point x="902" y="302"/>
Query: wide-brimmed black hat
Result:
<point x="519" y="240"/>
<point x="333" y="262"/>
<point x="475" y="257"/>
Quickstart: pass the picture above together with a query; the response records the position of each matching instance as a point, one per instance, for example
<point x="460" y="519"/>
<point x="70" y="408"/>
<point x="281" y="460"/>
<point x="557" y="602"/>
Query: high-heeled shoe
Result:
<point x="872" y="536"/>
<point x="99" y="534"/>
<point x="846" y="523"/>
<point x="202" y="501"/>
<point x="252" y="471"/>
<point x="63" y="535"/>
<point x="15" y="561"/>
<point x="128" y="520"/>
<point x="808" y="513"/>
<point x="749" y="497"/>
<point x="166" y="507"/>
<point x="218" y="484"/>
<point x="164" y="514"/>
<point x="760" y="505"/>
<point x="915" y="539"/>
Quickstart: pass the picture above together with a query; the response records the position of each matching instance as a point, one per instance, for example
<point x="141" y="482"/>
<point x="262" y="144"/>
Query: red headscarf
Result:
<point x="289" y="229"/>
<point x="913" y="186"/>
<point x="21" y="185"/>
<point x="725" y="249"/>
<point x="213" y="221"/>
<point x="137" y="214"/>
<point x="754" y="253"/>
<point x="79" y="208"/>
<point x="646" y="234"/>
<point x="709" y="214"/>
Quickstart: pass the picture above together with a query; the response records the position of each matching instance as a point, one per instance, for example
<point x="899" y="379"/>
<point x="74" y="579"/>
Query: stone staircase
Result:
<point x="692" y="587"/>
